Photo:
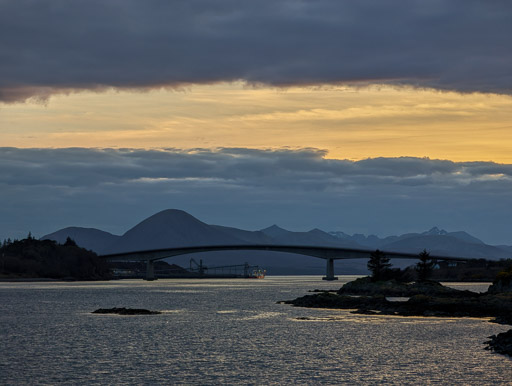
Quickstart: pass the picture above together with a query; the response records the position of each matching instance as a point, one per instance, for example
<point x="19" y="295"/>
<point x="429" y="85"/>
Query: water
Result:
<point x="229" y="332"/>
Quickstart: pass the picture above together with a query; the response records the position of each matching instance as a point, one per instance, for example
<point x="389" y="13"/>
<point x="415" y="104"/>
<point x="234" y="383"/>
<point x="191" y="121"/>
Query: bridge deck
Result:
<point x="328" y="253"/>
<point x="314" y="251"/>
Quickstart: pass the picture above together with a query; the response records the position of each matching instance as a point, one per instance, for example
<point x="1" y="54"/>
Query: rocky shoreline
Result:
<point x="492" y="306"/>
<point x="501" y="343"/>
<point x="429" y="299"/>
<point x="394" y="288"/>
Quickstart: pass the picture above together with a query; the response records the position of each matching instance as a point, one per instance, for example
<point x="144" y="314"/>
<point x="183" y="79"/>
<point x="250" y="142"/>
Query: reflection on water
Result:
<point x="229" y="331"/>
<point x="475" y="287"/>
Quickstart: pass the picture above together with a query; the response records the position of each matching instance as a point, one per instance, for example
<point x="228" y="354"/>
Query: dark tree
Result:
<point x="425" y="266"/>
<point x="70" y="242"/>
<point x="378" y="265"/>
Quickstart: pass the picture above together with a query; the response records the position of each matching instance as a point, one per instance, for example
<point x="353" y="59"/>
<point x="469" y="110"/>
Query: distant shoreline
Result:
<point x="46" y="279"/>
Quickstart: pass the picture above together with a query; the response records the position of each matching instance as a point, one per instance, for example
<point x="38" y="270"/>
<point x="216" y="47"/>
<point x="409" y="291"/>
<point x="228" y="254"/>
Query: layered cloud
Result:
<point x="279" y="169"/>
<point x="49" y="46"/>
<point x="46" y="189"/>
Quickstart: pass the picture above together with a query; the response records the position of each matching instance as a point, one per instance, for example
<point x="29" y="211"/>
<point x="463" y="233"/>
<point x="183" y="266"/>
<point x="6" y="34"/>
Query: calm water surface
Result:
<point x="229" y="332"/>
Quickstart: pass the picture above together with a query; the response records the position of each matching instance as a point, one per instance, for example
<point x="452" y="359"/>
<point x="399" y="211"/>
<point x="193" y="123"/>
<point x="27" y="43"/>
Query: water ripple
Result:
<point x="216" y="333"/>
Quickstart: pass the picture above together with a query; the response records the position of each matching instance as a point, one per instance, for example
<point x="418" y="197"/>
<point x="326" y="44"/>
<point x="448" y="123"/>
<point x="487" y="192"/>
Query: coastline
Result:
<point x="421" y="299"/>
<point x="45" y="280"/>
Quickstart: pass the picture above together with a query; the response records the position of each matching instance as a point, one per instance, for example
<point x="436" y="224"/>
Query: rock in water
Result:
<point x="501" y="343"/>
<point x="502" y="283"/>
<point x="125" y="311"/>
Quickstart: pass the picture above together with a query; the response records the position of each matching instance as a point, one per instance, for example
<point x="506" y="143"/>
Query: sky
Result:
<point x="375" y="117"/>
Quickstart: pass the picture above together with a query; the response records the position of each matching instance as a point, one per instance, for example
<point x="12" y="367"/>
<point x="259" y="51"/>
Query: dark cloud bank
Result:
<point x="42" y="190"/>
<point x="51" y="46"/>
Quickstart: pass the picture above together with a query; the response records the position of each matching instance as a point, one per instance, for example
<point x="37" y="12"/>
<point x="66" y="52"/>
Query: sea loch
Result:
<point x="229" y="332"/>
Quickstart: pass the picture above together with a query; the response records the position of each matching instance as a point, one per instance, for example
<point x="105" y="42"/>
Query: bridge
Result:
<point x="327" y="253"/>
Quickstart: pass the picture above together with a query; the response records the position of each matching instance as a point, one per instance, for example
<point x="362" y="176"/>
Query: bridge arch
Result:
<point x="327" y="253"/>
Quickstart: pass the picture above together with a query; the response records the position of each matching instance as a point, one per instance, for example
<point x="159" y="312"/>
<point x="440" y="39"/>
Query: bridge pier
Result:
<point x="150" y="270"/>
<point x="329" y="275"/>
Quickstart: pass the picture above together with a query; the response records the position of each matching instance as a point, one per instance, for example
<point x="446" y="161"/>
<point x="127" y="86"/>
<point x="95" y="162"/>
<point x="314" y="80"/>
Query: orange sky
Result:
<point x="352" y="123"/>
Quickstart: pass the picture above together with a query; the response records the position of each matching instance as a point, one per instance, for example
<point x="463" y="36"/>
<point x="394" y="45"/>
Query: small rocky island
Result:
<point x="125" y="311"/>
<point x="424" y="299"/>
<point x="374" y="295"/>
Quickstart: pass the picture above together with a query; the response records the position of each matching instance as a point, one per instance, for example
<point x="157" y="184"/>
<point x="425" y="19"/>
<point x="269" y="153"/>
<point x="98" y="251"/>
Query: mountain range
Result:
<point x="176" y="228"/>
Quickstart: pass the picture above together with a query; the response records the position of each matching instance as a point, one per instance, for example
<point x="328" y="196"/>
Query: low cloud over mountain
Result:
<point x="44" y="189"/>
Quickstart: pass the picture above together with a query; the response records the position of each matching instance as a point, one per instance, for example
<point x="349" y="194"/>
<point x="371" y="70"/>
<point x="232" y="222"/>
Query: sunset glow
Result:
<point x="348" y="122"/>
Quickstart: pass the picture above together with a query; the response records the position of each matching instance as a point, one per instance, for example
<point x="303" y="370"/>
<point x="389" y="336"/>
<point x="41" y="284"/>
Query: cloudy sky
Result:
<point x="376" y="117"/>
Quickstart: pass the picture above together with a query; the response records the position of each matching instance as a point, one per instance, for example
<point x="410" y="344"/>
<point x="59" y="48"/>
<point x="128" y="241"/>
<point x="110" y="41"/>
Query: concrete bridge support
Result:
<point x="150" y="270"/>
<point x="329" y="275"/>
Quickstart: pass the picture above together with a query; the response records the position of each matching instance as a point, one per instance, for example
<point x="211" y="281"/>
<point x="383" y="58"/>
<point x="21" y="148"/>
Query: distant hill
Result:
<point x="249" y="237"/>
<point x="88" y="238"/>
<point x="176" y="228"/>
<point x="373" y="241"/>
<point x="506" y="248"/>
<point x="314" y="237"/>
<point x="446" y="246"/>
<point x="436" y="241"/>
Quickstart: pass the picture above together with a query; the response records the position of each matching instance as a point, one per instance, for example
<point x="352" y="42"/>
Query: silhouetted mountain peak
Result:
<point x="340" y="235"/>
<point x="167" y="218"/>
<point x="274" y="227"/>
<point x="435" y="231"/>
<point x="171" y="228"/>
<point x="275" y="231"/>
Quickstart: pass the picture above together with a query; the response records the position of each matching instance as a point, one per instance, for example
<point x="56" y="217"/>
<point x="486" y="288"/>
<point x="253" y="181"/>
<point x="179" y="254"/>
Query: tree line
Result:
<point x="32" y="258"/>
<point x="380" y="267"/>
